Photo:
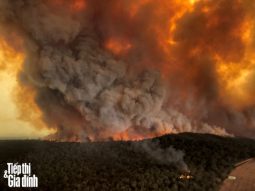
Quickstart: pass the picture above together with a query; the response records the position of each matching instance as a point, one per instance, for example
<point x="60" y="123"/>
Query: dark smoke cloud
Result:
<point x="86" y="92"/>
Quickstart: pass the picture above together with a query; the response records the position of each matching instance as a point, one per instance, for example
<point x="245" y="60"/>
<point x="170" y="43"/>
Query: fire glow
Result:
<point x="15" y="97"/>
<point x="129" y="70"/>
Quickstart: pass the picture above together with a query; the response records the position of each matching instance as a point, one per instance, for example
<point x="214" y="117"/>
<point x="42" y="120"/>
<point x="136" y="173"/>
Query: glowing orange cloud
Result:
<point x="118" y="46"/>
<point x="19" y="105"/>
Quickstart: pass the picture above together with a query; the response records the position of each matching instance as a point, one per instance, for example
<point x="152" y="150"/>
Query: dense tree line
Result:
<point x="117" y="166"/>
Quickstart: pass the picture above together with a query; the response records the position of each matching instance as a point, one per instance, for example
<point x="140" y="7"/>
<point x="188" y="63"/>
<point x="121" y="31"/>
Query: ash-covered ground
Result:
<point x="130" y="165"/>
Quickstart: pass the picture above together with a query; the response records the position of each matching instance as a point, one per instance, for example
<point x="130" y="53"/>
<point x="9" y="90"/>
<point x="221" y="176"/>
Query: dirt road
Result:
<point x="245" y="178"/>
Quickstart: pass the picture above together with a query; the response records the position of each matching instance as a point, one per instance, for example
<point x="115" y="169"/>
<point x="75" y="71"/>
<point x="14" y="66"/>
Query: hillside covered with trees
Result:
<point x="121" y="165"/>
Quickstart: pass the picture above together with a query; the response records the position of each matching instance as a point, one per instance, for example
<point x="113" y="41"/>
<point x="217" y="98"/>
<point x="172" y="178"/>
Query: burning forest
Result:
<point x="131" y="69"/>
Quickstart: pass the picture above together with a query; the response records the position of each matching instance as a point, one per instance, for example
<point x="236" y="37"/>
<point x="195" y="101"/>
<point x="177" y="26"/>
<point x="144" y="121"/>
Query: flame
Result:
<point x="78" y="5"/>
<point x="131" y="135"/>
<point x="234" y="69"/>
<point x="192" y="2"/>
<point x="182" y="8"/>
<point x="10" y="60"/>
<point x="235" y="76"/>
<point x="20" y="116"/>
<point x="163" y="36"/>
<point x="118" y="46"/>
<point x="186" y="175"/>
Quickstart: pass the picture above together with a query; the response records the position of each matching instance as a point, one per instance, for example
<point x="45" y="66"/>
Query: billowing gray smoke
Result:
<point x="165" y="156"/>
<point x="84" y="91"/>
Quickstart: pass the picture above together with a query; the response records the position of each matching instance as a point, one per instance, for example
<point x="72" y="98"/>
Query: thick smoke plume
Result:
<point x="135" y="69"/>
<point x="165" y="156"/>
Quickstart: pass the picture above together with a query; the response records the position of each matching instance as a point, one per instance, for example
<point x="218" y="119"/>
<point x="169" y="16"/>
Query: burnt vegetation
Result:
<point x="117" y="166"/>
